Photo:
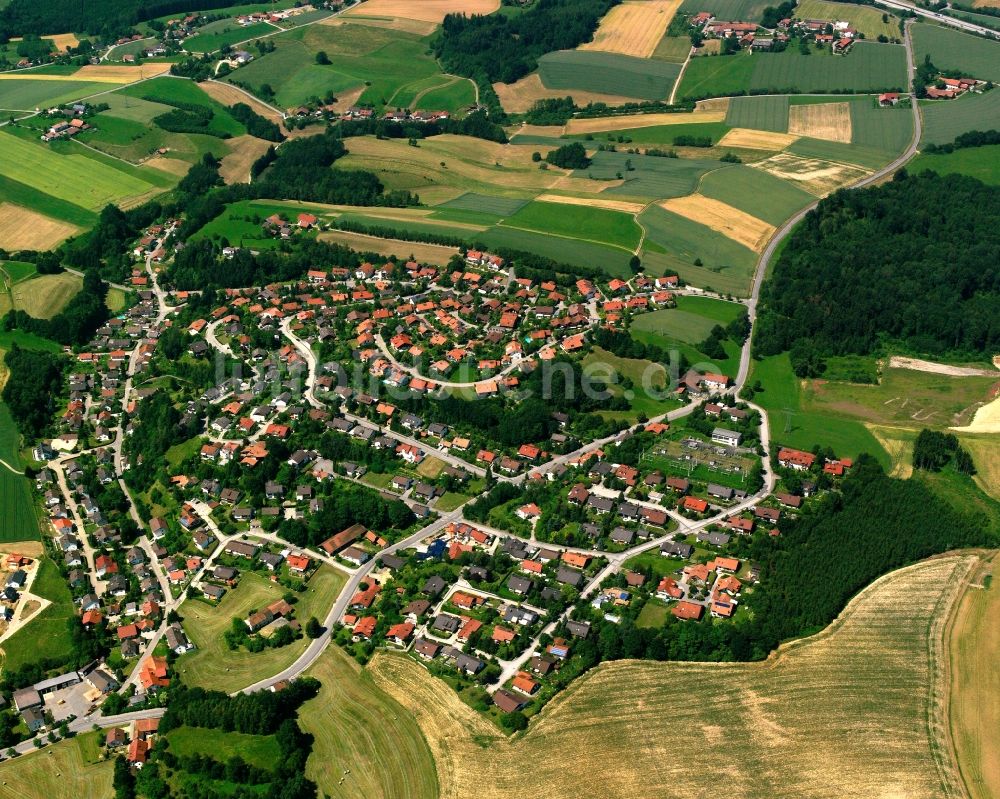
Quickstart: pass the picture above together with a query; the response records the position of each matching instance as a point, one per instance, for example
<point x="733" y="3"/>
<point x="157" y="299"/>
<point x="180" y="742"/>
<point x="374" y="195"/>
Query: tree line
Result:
<point x="914" y="263"/>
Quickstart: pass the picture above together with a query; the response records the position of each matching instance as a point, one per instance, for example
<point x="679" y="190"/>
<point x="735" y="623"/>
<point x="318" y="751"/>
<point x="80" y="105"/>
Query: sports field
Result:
<point x="946" y="119"/>
<point x="213" y="665"/>
<point x="360" y="729"/>
<point x="633" y="28"/>
<point x="78" y="179"/>
<point x="609" y="73"/>
<point x="68" y="768"/>
<point x="578" y="222"/>
<point x="951" y="49"/>
<point x="868" y="67"/>
<point x="868" y="20"/>
<point x="854" y="710"/>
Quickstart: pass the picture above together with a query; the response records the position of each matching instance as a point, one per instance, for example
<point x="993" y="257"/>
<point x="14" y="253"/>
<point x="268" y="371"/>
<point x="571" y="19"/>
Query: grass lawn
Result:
<point x="68" y="768"/>
<point x="613" y="228"/>
<point x="653" y="614"/>
<point x="45" y="636"/>
<point x="17" y="271"/>
<point x="658" y="565"/>
<point x="260" y="750"/>
<point x="116" y="300"/>
<point x="179" y="453"/>
<point x="450" y="500"/>
<point x="982" y="163"/>
<point x="795" y="423"/>
<point x="213" y="665"/>
<point x="359" y="727"/>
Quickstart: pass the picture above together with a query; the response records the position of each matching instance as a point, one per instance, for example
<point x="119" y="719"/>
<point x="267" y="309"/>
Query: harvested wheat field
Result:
<point x="21" y="229"/>
<point x="974" y="646"/>
<point x="731" y="222"/>
<point x="231" y="95"/>
<point x="812" y="174"/>
<point x="898" y="444"/>
<point x="172" y="166"/>
<point x="594" y="202"/>
<point x="111" y="73"/>
<point x="422" y="10"/>
<point x="424" y="253"/>
<point x="986" y="3"/>
<point x="713" y="104"/>
<point x="629" y="121"/>
<point x="415" y="26"/>
<point x="633" y="28"/>
<point x="62" y="41"/>
<point x="984" y="448"/>
<point x="830" y="121"/>
<point x="517" y="98"/>
<point x="750" y="139"/>
<point x="854" y="711"/>
<point x="243" y="151"/>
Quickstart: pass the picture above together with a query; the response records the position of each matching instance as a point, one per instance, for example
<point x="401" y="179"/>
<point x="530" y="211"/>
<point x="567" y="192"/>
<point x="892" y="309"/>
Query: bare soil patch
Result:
<point x="816" y="176"/>
<point x="830" y="121"/>
<point x="918" y="365"/>
<point x="22" y="229"/>
<point x="423" y="10"/>
<point x="757" y="139"/>
<point x="633" y="28"/>
<point x="731" y="222"/>
<point x="243" y="151"/>
<point x="519" y="97"/>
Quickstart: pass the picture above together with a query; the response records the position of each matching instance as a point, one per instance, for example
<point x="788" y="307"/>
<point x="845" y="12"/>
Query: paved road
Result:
<point x="944" y="19"/>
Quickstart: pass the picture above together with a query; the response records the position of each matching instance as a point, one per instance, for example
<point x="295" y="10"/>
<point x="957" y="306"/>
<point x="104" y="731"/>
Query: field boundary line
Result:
<point x="680" y="76"/>
<point x="563" y="236"/>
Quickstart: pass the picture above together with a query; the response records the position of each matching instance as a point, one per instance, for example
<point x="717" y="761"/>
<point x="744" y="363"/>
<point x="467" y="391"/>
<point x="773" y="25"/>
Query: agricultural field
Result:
<point x="650" y="177"/>
<point x="77" y="178"/>
<point x="425" y="253"/>
<point x="982" y="163"/>
<point x="827" y="121"/>
<point x="24" y="229"/>
<point x="68" y="768"/>
<point x="887" y="129"/>
<point x="619" y="124"/>
<point x="633" y="28"/>
<point x="946" y="119"/>
<point x="612" y="260"/>
<point x="485" y="204"/>
<point x="674" y="243"/>
<point x="578" y="222"/>
<point x="951" y="49"/>
<point x="171" y="90"/>
<point x="25" y="94"/>
<point x="755" y="723"/>
<point x="608" y="73"/>
<point x="866" y="19"/>
<point x="749" y="10"/>
<point x="755" y="192"/>
<point x="974" y="645"/>
<point x="386" y="753"/>
<point x="868" y="67"/>
<point x="382" y="61"/>
<point x="432" y="11"/>
<point x="814" y="175"/>
<point x="217" y="35"/>
<point x="684" y="327"/>
<point x="212" y="665"/>
<point x="43" y="296"/>
<point x="760" y="113"/>
<point x="741" y="227"/>
<point x="516" y="98"/>
<point x="673" y="48"/>
<point x="664" y="134"/>
<point x="856" y="157"/>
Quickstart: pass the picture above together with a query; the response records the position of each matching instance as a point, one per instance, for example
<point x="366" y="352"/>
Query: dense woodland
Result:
<point x="498" y="48"/>
<point x="914" y="263"/>
<point x="33" y="388"/>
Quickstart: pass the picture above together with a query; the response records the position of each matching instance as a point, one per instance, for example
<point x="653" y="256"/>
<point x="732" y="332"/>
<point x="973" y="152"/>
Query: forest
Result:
<point x="913" y="264"/>
<point x="33" y="388"/>
<point x="505" y="49"/>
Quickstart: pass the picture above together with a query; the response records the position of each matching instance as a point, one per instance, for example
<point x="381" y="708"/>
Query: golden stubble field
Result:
<point x="633" y="28"/>
<point x="816" y="176"/>
<point x="830" y="121"/>
<point x="731" y="222"/>
<point x="423" y="10"/>
<point x="24" y="229"/>
<point x="520" y="96"/>
<point x="858" y="710"/>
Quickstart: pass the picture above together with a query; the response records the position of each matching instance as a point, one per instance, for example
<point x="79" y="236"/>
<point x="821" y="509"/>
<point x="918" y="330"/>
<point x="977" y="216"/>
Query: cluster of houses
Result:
<point x="65" y="129"/>
<point x="950" y="88"/>
<point x="838" y="35"/>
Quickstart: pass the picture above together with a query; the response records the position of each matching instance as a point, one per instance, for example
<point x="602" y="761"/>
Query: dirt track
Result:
<point x="899" y="362"/>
